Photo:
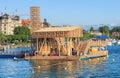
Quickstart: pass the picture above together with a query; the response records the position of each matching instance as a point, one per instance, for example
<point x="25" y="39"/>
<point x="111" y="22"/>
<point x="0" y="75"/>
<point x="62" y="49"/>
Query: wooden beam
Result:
<point x="37" y="44"/>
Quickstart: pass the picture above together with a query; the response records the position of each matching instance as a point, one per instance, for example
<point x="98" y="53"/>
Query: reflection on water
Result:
<point x="15" y="69"/>
<point x="67" y="69"/>
<point x="94" y="68"/>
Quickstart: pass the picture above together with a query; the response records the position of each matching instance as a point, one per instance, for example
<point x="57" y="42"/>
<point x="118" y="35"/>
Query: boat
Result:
<point x="91" y="57"/>
<point x="118" y="42"/>
<point x="109" y="43"/>
<point x="12" y="55"/>
<point x="114" y="42"/>
<point x="15" y="58"/>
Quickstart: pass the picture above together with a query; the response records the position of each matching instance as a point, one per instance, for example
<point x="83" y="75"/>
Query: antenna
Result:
<point x="16" y="11"/>
<point x="5" y="9"/>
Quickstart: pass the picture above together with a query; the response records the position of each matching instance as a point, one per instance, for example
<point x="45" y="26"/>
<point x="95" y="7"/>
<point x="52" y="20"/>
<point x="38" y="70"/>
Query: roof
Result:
<point x="96" y="31"/>
<point x="55" y="29"/>
<point x="26" y="22"/>
<point x="101" y="37"/>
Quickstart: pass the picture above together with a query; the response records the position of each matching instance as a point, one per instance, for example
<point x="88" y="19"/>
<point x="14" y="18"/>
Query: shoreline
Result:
<point x="14" y="46"/>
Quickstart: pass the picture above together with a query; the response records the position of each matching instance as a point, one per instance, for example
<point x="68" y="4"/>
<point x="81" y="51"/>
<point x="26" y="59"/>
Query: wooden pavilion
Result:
<point x="57" y="41"/>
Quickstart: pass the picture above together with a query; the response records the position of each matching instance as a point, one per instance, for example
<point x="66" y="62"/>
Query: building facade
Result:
<point x="8" y="23"/>
<point x="116" y="34"/>
<point x="26" y="22"/>
<point x="35" y="17"/>
<point x="96" y="32"/>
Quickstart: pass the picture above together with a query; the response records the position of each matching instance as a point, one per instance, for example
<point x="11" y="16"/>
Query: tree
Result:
<point x="116" y="29"/>
<point x="22" y="33"/>
<point x="101" y="29"/>
<point x="10" y="38"/>
<point x="2" y="38"/>
<point x="87" y="35"/>
<point x="104" y="30"/>
<point x="91" y="29"/>
<point x="22" y="30"/>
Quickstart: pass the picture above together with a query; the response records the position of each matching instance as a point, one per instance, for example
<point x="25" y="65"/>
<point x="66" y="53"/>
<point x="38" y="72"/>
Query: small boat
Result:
<point x="118" y="42"/>
<point x="15" y="58"/>
<point x="11" y="55"/>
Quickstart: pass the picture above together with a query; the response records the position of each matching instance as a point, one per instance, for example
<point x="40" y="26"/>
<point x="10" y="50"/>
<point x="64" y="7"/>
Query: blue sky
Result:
<point x="72" y="12"/>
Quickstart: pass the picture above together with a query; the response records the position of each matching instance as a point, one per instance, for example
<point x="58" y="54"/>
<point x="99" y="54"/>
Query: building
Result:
<point x="116" y="34"/>
<point x="96" y="32"/>
<point x="25" y="22"/>
<point x="8" y="23"/>
<point x="35" y="17"/>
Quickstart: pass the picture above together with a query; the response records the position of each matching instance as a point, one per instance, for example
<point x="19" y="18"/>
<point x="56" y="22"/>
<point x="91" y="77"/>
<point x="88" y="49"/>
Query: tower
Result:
<point x="35" y="17"/>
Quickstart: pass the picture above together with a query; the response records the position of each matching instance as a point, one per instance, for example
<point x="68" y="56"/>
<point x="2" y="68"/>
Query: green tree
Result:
<point x="87" y="35"/>
<point x="115" y="29"/>
<point x="2" y="38"/>
<point x="22" y="33"/>
<point x="91" y="29"/>
<point x="10" y="38"/>
<point x="104" y="30"/>
<point x="22" y="30"/>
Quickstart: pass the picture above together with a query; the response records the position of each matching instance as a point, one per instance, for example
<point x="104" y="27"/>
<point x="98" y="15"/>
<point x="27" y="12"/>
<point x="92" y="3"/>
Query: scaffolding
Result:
<point x="35" y="17"/>
<point x="57" y="40"/>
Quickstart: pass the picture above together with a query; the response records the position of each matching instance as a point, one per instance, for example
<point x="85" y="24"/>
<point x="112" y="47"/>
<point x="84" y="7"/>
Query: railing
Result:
<point x="82" y="46"/>
<point x="88" y="44"/>
<point x="98" y="43"/>
<point x="85" y="45"/>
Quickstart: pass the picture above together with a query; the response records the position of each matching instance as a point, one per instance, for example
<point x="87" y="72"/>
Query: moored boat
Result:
<point x="12" y="55"/>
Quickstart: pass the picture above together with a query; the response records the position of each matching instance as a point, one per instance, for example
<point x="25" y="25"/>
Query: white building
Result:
<point x="96" y="32"/>
<point x="7" y="24"/>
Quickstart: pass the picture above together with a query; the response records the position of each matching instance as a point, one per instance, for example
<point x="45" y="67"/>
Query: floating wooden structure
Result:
<point x="56" y="40"/>
<point x="59" y="43"/>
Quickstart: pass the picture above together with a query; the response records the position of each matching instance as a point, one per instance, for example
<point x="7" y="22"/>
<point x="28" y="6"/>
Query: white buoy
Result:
<point x="113" y="59"/>
<point x="65" y="68"/>
<point x="15" y="58"/>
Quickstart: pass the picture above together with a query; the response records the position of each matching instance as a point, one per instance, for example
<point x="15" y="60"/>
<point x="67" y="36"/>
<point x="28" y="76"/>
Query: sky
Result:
<point x="67" y="12"/>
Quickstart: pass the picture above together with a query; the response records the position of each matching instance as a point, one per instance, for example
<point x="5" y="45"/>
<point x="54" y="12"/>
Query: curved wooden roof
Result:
<point x="52" y="32"/>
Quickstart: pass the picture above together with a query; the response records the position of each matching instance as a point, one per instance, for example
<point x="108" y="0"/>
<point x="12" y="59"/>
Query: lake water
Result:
<point x="23" y="49"/>
<point x="95" y="68"/>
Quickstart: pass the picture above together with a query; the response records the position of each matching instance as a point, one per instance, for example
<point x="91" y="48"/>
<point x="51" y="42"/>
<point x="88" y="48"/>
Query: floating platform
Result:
<point x="92" y="57"/>
<point x="98" y="55"/>
<point x="69" y="58"/>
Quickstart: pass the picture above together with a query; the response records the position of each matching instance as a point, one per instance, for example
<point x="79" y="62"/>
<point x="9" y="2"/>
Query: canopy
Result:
<point x="101" y="37"/>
